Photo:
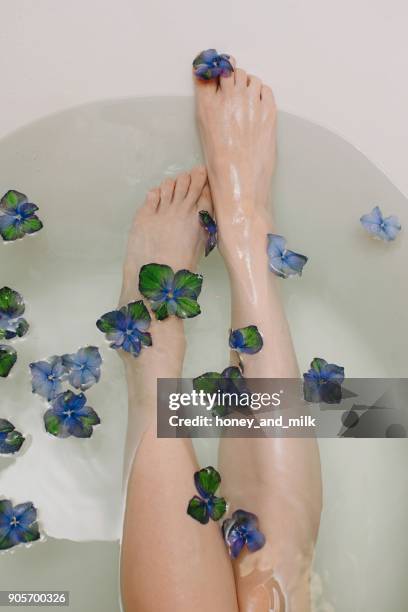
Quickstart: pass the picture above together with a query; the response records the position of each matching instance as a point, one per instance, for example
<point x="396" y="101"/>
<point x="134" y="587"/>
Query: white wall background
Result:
<point x="341" y="63"/>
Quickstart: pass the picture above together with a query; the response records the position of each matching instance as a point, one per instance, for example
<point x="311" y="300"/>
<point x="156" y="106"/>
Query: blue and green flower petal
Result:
<point x="169" y="293"/>
<point x="246" y="340"/>
<point x="11" y="440"/>
<point x="242" y="530"/>
<point x="8" y="357"/>
<point x="206" y="505"/>
<point x="47" y="377"/>
<point x="18" y="524"/>
<point x="322" y="383"/>
<point x="210" y="226"/>
<point x="126" y="328"/>
<point x="84" y="367"/>
<point x="70" y="416"/>
<point x="282" y="261"/>
<point x="376" y="225"/>
<point x="229" y="380"/>
<point x="12" y="306"/>
<point x="17" y="216"/>
<point x="210" y="65"/>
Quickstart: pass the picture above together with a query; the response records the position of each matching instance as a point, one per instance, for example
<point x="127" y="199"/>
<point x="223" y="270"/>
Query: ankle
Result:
<point x="165" y="357"/>
<point x="243" y="245"/>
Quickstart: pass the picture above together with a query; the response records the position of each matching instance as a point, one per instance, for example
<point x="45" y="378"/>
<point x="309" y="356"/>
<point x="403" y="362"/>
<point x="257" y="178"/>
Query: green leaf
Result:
<point x="153" y="279"/>
<point x="8" y="357"/>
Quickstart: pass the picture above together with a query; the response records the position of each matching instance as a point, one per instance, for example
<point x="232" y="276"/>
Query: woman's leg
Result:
<point x="169" y="562"/>
<point x="277" y="479"/>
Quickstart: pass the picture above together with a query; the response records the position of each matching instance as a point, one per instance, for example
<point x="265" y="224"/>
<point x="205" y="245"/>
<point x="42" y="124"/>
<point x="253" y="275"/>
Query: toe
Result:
<point x="205" y="200"/>
<point x="166" y="192"/>
<point x="181" y="188"/>
<point x="240" y="77"/>
<point x="153" y="199"/>
<point x="227" y="82"/>
<point x="268" y="103"/>
<point x="204" y="88"/>
<point x="267" y="94"/>
<point x="254" y="85"/>
<point x="198" y="179"/>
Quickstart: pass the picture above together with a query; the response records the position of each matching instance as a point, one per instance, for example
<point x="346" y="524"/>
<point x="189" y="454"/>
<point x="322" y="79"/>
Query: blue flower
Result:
<point x="170" y="293"/>
<point x="241" y="530"/>
<point x="17" y="524"/>
<point x="210" y="65"/>
<point x="229" y="381"/>
<point x="386" y="229"/>
<point x="84" y="367"/>
<point x="210" y="226"/>
<point x="207" y="505"/>
<point x="11" y="440"/>
<point x="69" y="416"/>
<point x="322" y="383"/>
<point x="47" y="377"/>
<point x="126" y="328"/>
<point x="17" y="216"/>
<point x="282" y="262"/>
<point x="246" y="340"/>
<point x="12" y="307"/>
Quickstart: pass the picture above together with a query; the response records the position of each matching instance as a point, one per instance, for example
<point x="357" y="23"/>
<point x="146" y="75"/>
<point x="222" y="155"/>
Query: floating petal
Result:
<point x="207" y="481"/>
<point x="17" y="216"/>
<point x="17" y="524"/>
<point x="126" y="328"/>
<point x="70" y="416"/>
<point x="210" y="226"/>
<point x="169" y="293"/>
<point x="84" y="367"/>
<point x="386" y="229"/>
<point x="197" y="509"/>
<point x="282" y="261"/>
<point x="47" y="377"/>
<point x="246" y="340"/>
<point x="155" y="280"/>
<point x="8" y="357"/>
<point x="210" y="65"/>
<point x="322" y="383"/>
<point x="11" y="440"/>
<point x="242" y="529"/>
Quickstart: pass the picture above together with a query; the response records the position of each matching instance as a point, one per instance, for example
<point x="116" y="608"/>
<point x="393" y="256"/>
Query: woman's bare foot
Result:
<point x="166" y="229"/>
<point x="237" y="122"/>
